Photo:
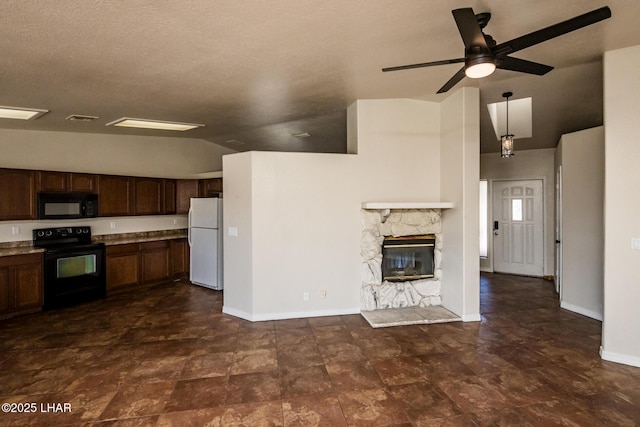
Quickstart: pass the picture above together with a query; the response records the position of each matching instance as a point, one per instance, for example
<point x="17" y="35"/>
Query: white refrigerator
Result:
<point x="205" y="240"/>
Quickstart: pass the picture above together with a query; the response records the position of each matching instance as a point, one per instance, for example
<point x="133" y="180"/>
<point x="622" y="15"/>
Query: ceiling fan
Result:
<point x="482" y="55"/>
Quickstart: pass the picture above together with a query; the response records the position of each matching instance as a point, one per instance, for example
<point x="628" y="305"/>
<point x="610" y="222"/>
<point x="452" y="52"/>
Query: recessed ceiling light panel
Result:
<point x="153" y="124"/>
<point x="21" y="113"/>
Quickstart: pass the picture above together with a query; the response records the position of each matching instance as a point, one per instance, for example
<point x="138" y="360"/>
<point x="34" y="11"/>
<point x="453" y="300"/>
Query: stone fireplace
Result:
<point x="378" y="293"/>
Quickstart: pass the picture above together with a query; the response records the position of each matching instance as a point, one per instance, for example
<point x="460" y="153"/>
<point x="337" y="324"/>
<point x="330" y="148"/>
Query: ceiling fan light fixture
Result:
<point x="479" y="66"/>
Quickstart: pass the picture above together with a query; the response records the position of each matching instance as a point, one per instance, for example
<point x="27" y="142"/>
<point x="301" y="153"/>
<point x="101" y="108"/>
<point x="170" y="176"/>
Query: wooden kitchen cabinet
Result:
<point x="149" y="195"/>
<point x="156" y="261"/>
<point x="116" y="195"/>
<point x="179" y="257"/>
<point x="169" y="196"/>
<point x="50" y="181"/>
<point x="83" y="182"/>
<point x="21" y="284"/>
<point x="210" y="187"/>
<point x="123" y="266"/>
<point x="185" y="190"/>
<point x="18" y="194"/>
<point x="53" y="181"/>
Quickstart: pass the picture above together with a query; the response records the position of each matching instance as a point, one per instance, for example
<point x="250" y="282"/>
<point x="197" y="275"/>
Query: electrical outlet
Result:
<point x="112" y="225"/>
<point x="305" y="296"/>
<point x="323" y="294"/>
<point x="635" y="243"/>
<point x="15" y="231"/>
<point x="233" y="231"/>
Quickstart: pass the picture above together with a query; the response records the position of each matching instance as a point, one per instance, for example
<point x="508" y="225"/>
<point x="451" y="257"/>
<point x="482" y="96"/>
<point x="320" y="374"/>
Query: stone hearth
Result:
<point x="416" y="301"/>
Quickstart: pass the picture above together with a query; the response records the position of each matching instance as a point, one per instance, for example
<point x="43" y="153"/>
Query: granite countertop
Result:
<point x="140" y="237"/>
<point x="24" y="247"/>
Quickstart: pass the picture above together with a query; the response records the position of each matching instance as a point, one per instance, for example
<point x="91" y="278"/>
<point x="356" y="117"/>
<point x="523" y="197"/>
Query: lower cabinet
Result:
<point x="137" y="264"/>
<point x="21" y="287"/>
<point x="123" y="266"/>
<point x="155" y="261"/>
<point x="179" y="257"/>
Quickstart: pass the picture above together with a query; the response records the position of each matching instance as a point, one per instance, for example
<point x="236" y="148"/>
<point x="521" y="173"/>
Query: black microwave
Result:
<point x="67" y="205"/>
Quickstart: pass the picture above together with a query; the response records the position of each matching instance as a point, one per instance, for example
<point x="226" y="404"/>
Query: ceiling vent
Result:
<point x="81" y="118"/>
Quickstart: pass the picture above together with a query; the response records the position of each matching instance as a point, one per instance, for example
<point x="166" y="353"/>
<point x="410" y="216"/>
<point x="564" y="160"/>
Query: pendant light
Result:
<point x="506" y="140"/>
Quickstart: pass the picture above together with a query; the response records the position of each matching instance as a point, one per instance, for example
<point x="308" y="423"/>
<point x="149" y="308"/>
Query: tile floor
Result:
<point x="167" y="356"/>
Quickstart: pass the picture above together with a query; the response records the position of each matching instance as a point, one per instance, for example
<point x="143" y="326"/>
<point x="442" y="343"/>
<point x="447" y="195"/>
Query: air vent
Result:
<point x="302" y="135"/>
<point x="81" y="118"/>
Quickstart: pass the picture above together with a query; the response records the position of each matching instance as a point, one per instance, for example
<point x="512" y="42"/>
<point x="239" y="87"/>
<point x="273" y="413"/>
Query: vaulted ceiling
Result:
<point x="257" y="72"/>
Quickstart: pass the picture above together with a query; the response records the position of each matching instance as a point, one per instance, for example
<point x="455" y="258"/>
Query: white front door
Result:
<point x="518" y="227"/>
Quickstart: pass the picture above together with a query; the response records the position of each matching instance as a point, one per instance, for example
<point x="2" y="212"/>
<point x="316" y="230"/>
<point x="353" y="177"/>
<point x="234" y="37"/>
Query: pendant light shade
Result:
<point x="506" y="140"/>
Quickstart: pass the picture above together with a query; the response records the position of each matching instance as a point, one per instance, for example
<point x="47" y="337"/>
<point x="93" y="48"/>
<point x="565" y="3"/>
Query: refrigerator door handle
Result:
<point x="189" y="229"/>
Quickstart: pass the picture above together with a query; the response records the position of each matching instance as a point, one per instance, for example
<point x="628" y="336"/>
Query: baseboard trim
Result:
<point x="581" y="310"/>
<point x="289" y="315"/>
<point x="625" y="359"/>
<point x="472" y="318"/>
<point x="486" y="270"/>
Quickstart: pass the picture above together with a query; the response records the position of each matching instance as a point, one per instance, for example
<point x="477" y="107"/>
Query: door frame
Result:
<point x="544" y="217"/>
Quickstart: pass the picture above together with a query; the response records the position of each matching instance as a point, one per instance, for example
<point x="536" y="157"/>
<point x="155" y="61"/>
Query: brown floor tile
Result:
<point x="138" y="399"/>
<point x="372" y="407"/>
<point x="315" y="410"/>
<point x="193" y="418"/>
<point x="304" y="382"/>
<point x="208" y="365"/>
<point x="167" y="355"/>
<point x="353" y="375"/>
<point x="246" y="361"/>
<point x="299" y="356"/>
<point x="197" y="394"/>
<point x="425" y="403"/>
<point x="254" y="387"/>
<point x="268" y="414"/>
<point x="401" y="370"/>
<point x="341" y="352"/>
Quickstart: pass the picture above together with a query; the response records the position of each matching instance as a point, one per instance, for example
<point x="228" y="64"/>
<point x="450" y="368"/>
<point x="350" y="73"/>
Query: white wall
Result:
<point x="581" y="155"/>
<point x="304" y="210"/>
<point x="621" y="326"/>
<point x="526" y="164"/>
<point x="163" y="157"/>
<point x="460" y="146"/>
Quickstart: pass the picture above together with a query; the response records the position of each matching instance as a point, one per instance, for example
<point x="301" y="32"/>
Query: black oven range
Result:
<point x="74" y="267"/>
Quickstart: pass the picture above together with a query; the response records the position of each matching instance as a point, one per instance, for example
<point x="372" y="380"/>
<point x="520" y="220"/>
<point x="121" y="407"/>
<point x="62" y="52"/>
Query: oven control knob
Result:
<point x="49" y="233"/>
<point x="40" y="233"/>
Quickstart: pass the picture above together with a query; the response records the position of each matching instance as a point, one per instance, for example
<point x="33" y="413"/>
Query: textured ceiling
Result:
<point x="259" y="71"/>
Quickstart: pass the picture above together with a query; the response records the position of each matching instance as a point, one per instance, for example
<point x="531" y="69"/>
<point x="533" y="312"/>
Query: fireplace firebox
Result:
<point x="408" y="257"/>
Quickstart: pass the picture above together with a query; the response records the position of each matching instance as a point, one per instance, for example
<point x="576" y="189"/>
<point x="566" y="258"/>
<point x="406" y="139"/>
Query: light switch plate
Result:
<point x="233" y="231"/>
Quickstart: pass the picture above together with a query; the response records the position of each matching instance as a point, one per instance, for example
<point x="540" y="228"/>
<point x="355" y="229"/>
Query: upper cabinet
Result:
<point x="169" y="196"/>
<point x="116" y="195"/>
<point x="186" y="189"/>
<point x="149" y="194"/>
<point x="210" y="187"/>
<point x="67" y="181"/>
<point x="17" y="194"/>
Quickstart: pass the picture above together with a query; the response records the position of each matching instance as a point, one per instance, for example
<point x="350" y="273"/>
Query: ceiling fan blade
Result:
<point x="424" y="64"/>
<point x="523" y="66"/>
<point x="452" y="81"/>
<point x="553" y="31"/>
<point x="469" y="28"/>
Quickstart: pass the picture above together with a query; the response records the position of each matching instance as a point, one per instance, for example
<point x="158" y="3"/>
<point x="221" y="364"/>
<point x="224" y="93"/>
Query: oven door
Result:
<point x="73" y="275"/>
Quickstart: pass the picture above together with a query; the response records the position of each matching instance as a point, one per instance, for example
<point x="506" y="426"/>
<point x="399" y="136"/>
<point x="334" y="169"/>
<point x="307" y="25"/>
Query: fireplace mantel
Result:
<point x="407" y="205"/>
